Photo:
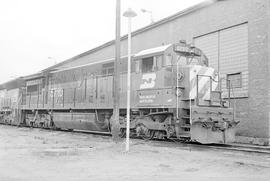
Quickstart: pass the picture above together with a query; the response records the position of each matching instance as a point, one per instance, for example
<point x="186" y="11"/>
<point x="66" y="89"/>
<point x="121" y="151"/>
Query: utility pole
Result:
<point x="115" y="127"/>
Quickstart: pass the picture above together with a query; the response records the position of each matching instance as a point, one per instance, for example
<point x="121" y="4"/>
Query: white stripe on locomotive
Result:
<point x="203" y="82"/>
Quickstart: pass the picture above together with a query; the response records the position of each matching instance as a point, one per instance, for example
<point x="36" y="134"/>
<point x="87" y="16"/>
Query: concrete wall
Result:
<point x="257" y="124"/>
<point x="253" y="111"/>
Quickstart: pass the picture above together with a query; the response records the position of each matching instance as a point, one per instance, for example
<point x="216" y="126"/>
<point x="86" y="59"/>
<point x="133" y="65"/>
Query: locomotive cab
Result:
<point x="153" y="69"/>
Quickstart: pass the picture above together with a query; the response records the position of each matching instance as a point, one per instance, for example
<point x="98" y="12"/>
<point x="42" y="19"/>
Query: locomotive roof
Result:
<point x="12" y="84"/>
<point x="85" y="65"/>
<point x="142" y="53"/>
<point x="33" y="76"/>
<point x="152" y="51"/>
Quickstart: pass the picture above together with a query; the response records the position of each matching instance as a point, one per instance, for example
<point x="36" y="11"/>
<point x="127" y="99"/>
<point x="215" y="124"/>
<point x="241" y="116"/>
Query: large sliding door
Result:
<point x="227" y="51"/>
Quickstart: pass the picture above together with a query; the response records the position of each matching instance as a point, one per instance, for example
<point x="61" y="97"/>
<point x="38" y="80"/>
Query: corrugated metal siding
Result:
<point x="209" y="45"/>
<point x="233" y="56"/>
<point x="227" y="51"/>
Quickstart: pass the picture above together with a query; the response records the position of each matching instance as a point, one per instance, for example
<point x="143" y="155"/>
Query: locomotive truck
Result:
<point x="174" y="95"/>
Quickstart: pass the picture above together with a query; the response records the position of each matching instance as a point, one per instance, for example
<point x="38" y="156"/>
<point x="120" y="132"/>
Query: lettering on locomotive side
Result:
<point x="147" y="98"/>
<point x="148" y="81"/>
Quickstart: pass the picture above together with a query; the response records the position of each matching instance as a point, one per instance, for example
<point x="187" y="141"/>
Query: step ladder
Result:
<point x="185" y="123"/>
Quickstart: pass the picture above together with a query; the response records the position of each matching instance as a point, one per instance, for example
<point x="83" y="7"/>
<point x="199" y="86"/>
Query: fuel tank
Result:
<point x="80" y="121"/>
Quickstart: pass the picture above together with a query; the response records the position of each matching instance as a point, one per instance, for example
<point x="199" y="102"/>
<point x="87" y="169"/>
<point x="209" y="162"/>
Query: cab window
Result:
<point x="137" y="66"/>
<point x="151" y="64"/>
<point x="147" y="64"/>
<point x="181" y="60"/>
<point x="168" y="60"/>
<point x="159" y="60"/>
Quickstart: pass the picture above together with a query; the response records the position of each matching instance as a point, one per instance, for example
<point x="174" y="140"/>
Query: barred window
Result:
<point x="234" y="80"/>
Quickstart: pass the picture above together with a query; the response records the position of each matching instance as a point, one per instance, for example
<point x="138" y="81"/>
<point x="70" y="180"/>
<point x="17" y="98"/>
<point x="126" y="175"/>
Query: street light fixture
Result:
<point x="151" y="14"/>
<point x="129" y="14"/>
<point x="53" y="59"/>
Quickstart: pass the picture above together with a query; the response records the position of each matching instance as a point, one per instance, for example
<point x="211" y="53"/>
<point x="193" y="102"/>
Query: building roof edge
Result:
<point x="141" y="30"/>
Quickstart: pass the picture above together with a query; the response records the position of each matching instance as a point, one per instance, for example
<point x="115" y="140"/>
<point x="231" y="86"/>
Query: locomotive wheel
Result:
<point x="143" y="132"/>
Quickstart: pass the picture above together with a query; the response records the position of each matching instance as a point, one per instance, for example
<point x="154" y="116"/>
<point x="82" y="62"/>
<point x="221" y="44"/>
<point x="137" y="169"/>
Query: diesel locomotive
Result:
<point x="174" y="95"/>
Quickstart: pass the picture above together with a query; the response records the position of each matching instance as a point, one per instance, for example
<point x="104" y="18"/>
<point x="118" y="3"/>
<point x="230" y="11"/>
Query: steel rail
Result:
<point x="182" y="144"/>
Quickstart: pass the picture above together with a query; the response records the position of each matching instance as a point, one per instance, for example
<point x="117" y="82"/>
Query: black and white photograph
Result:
<point x="134" y="90"/>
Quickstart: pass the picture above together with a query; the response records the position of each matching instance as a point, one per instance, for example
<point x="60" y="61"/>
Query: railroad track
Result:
<point x="242" y="148"/>
<point x="221" y="147"/>
<point x="190" y="145"/>
<point x="228" y="147"/>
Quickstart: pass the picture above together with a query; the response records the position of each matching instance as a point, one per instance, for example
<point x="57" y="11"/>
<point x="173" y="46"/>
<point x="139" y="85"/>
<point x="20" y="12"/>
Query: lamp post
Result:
<point x="52" y="58"/>
<point x="151" y="14"/>
<point x="129" y="14"/>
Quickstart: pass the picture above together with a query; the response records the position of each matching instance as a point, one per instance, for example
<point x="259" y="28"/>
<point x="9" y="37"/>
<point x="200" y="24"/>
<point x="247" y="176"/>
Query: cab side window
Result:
<point x="168" y="60"/>
<point x="137" y="66"/>
<point x="159" y="60"/>
<point x="151" y="64"/>
<point x="147" y="64"/>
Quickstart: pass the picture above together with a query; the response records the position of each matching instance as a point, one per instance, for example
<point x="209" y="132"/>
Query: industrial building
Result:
<point x="234" y="36"/>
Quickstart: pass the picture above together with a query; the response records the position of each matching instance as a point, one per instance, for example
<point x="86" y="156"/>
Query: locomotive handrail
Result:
<point x="157" y="113"/>
<point x="63" y="97"/>
<point x="208" y="76"/>
<point x="37" y="97"/>
<point x="229" y="95"/>
<point x="197" y="91"/>
<point x="220" y="82"/>
<point x="177" y="85"/>
<point x="161" y="88"/>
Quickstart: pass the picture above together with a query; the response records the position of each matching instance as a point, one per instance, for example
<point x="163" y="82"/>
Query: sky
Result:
<point x="36" y="34"/>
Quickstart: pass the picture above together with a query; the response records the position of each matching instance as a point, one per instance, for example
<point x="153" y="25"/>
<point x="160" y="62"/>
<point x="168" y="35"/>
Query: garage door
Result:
<point x="209" y="45"/>
<point x="233" y="58"/>
<point x="227" y="51"/>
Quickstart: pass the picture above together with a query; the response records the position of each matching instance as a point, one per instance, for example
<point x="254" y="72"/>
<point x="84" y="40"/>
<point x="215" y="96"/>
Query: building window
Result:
<point x="234" y="80"/>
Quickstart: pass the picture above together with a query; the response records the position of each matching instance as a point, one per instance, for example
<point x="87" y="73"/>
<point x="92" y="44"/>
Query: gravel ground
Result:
<point x="34" y="154"/>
